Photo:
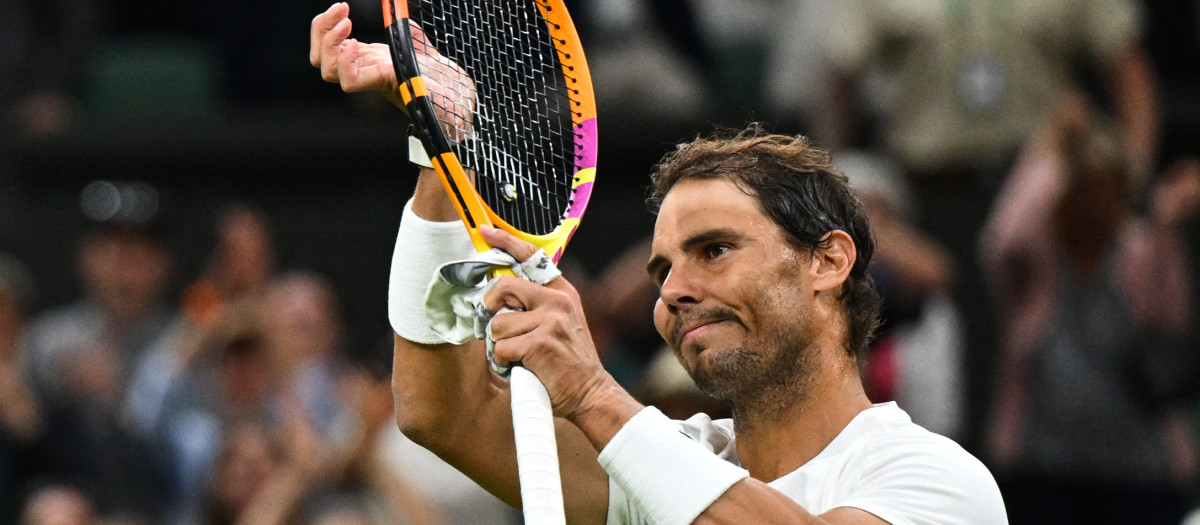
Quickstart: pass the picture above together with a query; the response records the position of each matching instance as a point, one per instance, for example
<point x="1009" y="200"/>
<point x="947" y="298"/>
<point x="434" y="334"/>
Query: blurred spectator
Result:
<point x="961" y="84"/>
<point x="951" y="89"/>
<point x="227" y="380"/>
<point x="210" y="359"/>
<point x="619" y="301"/>
<point x="44" y="51"/>
<point x="241" y="266"/>
<point x="261" y="477"/>
<point x="916" y="357"/>
<point x="21" y="421"/>
<point x="265" y="476"/>
<point x="276" y="360"/>
<point x="653" y="55"/>
<point x="1097" y="356"/>
<point x="303" y="336"/>
<point x="59" y="505"/>
<point x="83" y="356"/>
<point x="234" y="281"/>
<point x="246" y="460"/>
<point x="677" y="19"/>
<point x="794" y="63"/>
<point x="270" y="423"/>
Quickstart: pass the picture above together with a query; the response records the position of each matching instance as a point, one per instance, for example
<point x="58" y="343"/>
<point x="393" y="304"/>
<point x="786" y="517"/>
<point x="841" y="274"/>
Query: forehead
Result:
<point x="704" y="204"/>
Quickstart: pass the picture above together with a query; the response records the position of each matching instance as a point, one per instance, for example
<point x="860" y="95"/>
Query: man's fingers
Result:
<point x="508" y="242"/>
<point x="518" y="294"/>
<point x="321" y="24"/>
<point x="332" y="44"/>
<point x="347" y="67"/>
<point x="510" y="292"/>
<point x="522" y="251"/>
<point x="511" y="331"/>
<point x="366" y="67"/>
<point x="514" y="335"/>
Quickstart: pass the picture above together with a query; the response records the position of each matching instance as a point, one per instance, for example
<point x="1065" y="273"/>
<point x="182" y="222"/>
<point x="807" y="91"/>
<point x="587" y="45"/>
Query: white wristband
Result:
<point x="666" y="474"/>
<point x="421" y="247"/>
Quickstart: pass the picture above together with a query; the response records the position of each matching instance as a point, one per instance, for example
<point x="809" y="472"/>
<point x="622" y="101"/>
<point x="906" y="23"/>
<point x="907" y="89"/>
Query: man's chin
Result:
<point x="712" y="382"/>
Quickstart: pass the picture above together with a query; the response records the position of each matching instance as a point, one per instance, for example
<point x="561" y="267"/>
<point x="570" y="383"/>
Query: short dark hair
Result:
<point x="795" y="185"/>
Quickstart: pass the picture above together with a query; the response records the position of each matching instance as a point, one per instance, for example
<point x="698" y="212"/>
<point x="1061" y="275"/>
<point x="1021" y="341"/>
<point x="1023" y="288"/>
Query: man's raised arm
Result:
<point x="446" y="396"/>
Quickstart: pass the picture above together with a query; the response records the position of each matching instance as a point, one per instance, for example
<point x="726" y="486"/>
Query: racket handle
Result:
<point x="537" y="452"/>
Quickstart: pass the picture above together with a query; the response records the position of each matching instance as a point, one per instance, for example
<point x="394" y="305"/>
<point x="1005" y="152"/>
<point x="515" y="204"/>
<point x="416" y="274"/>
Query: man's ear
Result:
<point x="831" y="265"/>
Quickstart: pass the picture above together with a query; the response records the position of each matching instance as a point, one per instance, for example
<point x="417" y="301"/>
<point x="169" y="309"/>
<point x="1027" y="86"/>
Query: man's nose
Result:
<point x="680" y="289"/>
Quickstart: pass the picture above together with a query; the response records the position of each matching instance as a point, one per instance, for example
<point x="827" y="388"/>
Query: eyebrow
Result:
<point x="658" y="261"/>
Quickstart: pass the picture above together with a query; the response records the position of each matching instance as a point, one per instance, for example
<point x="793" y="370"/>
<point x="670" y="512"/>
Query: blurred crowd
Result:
<point x="234" y="403"/>
<point x="1030" y="168"/>
<point x="235" y="400"/>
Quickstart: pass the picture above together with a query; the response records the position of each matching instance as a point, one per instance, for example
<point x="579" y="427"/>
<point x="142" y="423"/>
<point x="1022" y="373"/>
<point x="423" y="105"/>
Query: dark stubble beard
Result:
<point x="763" y="378"/>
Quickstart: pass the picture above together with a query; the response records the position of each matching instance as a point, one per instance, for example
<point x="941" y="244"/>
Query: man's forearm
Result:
<point x="430" y="201"/>
<point x="435" y="383"/>
<point x="439" y="390"/>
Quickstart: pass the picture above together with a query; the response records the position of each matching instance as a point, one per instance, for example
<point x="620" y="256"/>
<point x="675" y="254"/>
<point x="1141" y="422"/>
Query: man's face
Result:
<point x="735" y="299"/>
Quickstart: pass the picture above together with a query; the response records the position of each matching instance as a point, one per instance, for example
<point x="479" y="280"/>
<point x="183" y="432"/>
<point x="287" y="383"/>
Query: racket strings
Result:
<point x="520" y="143"/>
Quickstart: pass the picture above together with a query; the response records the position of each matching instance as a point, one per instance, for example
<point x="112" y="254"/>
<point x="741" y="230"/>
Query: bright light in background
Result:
<point x="126" y="203"/>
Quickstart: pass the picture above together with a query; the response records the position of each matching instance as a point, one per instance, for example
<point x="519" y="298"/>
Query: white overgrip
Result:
<point x="537" y="452"/>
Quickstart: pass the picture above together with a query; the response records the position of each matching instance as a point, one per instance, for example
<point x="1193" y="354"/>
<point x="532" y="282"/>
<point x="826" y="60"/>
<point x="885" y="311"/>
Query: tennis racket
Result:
<point x="511" y="130"/>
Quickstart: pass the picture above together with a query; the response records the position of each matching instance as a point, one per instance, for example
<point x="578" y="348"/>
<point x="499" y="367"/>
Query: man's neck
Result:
<point x="773" y="444"/>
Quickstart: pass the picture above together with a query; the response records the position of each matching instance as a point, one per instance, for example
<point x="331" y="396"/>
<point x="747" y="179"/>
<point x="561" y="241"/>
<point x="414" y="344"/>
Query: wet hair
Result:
<point x="797" y="187"/>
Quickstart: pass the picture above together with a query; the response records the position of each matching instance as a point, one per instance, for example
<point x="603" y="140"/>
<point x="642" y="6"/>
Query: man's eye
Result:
<point x="716" y="250"/>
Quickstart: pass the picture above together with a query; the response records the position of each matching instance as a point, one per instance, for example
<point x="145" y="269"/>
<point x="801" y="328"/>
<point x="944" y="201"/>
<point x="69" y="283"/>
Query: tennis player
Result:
<point x="760" y="252"/>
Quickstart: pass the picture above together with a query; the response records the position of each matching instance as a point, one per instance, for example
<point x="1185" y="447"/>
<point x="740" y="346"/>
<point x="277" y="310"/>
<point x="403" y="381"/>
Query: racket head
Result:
<point x="516" y="142"/>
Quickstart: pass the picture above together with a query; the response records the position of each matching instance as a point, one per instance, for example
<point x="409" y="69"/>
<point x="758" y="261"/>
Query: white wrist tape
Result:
<point x="421" y="247"/>
<point x="666" y="474"/>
